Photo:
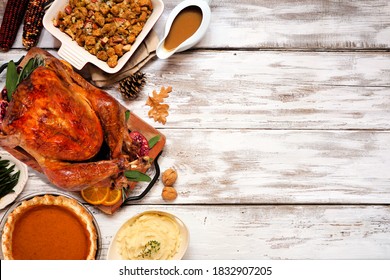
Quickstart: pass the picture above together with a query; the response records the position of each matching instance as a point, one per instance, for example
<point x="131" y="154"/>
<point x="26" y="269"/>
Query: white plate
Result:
<point x="113" y="250"/>
<point x="9" y="198"/>
<point x="78" y="56"/>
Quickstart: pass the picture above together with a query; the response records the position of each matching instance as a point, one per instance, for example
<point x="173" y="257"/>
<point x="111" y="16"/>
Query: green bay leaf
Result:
<point x="137" y="176"/>
<point x="153" y="141"/>
<point x="11" y="79"/>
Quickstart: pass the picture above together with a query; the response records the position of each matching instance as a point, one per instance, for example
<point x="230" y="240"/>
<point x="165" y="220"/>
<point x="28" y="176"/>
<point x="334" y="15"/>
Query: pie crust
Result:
<point x="78" y="216"/>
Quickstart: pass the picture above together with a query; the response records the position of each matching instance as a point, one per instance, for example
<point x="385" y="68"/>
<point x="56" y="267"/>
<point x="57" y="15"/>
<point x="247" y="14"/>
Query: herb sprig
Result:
<point x="149" y="249"/>
<point x="13" y="78"/>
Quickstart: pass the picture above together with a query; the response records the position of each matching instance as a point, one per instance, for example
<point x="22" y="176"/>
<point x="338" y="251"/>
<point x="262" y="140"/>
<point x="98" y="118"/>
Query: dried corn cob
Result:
<point x="33" y="23"/>
<point x="12" y="19"/>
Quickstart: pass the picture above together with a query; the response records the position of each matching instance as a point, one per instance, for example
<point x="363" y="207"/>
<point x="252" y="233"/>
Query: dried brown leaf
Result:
<point x="164" y="93"/>
<point x="159" y="111"/>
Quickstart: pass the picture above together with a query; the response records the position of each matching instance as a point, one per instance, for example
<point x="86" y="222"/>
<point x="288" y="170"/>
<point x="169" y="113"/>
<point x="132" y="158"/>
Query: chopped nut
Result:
<point x="169" y="177"/>
<point x="169" y="193"/>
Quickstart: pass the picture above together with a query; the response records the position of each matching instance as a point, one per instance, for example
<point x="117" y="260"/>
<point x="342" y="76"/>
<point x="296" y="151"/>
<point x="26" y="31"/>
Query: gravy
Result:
<point x="183" y="27"/>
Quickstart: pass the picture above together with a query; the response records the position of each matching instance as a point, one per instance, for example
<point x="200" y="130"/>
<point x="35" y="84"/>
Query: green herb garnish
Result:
<point x="30" y="66"/>
<point x="136" y="176"/>
<point x="8" y="178"/>
<point x="127" y="115"/>
<point x="13" y="79"/>
<point x="153" y="141"/>
<point x="149" y="249"/>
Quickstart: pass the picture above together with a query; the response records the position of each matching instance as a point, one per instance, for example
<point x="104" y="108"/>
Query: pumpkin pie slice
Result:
<point x="49" y="227"/>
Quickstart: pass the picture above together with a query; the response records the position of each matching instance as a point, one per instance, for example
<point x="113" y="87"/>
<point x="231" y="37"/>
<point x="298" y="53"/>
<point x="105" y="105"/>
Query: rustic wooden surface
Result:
<point x="279" y="129"/>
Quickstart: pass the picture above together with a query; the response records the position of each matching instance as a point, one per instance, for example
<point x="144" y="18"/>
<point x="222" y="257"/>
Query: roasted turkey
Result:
<point x="76" y="132"/>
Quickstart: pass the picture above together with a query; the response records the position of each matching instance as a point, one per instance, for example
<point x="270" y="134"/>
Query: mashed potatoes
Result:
<point x="151" y="236"/>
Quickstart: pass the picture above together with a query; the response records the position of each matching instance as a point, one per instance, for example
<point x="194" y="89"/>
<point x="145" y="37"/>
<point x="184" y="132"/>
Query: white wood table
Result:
<point x="279" y="130"/>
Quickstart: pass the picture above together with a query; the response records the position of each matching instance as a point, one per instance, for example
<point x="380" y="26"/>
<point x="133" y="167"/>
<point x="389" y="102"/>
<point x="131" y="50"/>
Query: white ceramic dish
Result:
<point x="9" y="198"/>
<point x="78" y="56"/>
<point x="113" y="251"/>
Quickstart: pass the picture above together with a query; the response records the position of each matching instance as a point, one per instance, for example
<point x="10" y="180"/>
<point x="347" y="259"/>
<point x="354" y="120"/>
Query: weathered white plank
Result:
<point x="272" y="232"/>
<point x="287" y="24"/>
<point x="271" y="167"/>
<point x="282" y="90"/>
<point x="267" y="90"/>
<point x="246" y="166"/>
<point x="300" y="24"/>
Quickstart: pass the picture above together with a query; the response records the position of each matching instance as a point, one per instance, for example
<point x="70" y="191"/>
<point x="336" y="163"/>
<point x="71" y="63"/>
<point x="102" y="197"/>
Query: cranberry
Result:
<point x="19" y="69"/>
<point x="4" y="93"/>
<point x="3" y="109"/>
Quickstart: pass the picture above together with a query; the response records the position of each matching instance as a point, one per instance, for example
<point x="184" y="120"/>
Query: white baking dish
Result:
<point x="78" y="56"/>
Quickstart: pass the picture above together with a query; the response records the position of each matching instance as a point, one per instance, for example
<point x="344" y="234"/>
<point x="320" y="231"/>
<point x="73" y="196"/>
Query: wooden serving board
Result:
<point x="134" y="123"/>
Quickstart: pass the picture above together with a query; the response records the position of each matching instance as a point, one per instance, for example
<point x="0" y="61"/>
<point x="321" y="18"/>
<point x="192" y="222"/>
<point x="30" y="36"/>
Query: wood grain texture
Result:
<point x="330" y="122"/>
<point x="290" y="24"/>
<point x="271" y="90"/>
<point x="273" y="232"/>
<point x="272" y="167"/>
<point x="313" y="24"/>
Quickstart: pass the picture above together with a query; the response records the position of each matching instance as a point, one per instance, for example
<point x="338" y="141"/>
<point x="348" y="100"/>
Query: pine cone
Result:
<point x="131" y="86"/>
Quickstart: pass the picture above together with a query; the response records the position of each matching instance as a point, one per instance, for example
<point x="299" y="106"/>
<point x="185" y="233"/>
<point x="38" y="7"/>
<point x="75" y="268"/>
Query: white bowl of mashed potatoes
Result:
<point x="151" y="235"/>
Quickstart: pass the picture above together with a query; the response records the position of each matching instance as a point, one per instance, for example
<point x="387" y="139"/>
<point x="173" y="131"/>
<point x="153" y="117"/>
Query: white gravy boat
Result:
<point x="203" y="5"/>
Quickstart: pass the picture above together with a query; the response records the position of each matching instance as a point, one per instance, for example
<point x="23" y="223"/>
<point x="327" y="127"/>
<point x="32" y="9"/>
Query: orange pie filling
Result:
<point x="49" y="228"/>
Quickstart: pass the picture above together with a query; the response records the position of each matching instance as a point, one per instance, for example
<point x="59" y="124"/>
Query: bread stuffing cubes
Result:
<point x="106" y="29"/>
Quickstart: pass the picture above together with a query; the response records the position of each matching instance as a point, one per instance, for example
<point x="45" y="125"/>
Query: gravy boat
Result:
<point x="204" y="7"/>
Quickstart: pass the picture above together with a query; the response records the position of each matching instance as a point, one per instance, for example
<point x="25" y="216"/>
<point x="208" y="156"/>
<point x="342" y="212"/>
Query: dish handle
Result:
<point x="150" y="185"/>
<point x="76" y="59"/>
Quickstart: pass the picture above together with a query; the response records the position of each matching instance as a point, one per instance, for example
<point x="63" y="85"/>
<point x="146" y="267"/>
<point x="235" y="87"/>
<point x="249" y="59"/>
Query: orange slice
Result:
<point x="113" y="197"/>
<point x="95" y="195"/>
